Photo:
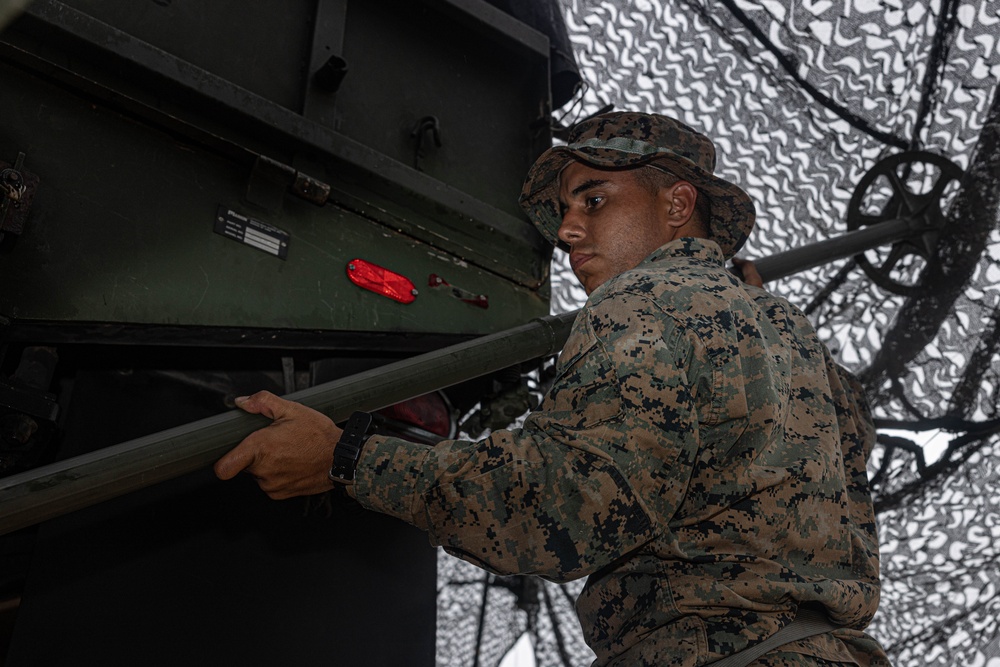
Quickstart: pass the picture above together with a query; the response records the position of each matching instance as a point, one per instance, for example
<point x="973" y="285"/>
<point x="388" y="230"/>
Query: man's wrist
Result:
<point x="347" y="451"/>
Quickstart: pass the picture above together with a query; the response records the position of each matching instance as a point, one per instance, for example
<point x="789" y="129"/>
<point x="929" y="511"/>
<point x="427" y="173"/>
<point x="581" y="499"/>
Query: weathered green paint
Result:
<point x="122" y="231"/>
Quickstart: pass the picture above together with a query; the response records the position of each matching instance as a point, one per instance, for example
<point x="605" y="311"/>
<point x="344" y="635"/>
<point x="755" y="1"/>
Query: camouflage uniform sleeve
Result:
<point x="858" y="435"/>
<point x="561" y="497"/>
<point x="860" y="425"/>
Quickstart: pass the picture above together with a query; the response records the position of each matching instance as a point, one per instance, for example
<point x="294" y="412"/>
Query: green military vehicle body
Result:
<point x="202" y="199"/>
<point x="143" y="126"/>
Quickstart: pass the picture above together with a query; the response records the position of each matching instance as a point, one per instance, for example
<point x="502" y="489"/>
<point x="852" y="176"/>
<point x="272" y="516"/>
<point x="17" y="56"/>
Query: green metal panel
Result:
<point x="122" y="231"/>
<point x="137" y="147"/>
<point x="262" y="46"/>
<point x="485" y="99"/>
<point x="143" y="123"/>
<point x="406" y="60"/>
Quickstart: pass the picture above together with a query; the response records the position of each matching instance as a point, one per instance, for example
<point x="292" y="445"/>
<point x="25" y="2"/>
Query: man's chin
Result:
<point x="590" y="284"/>
<point x="589" y="281"/>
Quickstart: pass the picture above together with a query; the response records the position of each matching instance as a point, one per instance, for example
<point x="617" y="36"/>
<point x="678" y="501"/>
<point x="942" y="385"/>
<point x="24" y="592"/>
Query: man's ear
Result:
<point x="678" y="203"/>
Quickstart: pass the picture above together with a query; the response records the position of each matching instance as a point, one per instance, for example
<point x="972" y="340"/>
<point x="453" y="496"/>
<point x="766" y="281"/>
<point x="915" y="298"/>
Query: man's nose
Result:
<point x="571" y="230"/>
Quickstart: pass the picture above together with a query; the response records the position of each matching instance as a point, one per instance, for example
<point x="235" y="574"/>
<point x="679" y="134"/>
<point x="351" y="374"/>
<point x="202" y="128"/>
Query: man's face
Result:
<point x="610" y="221"/>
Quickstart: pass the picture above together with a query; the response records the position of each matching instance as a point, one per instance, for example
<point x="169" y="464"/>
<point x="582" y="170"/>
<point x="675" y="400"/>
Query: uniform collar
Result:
<point x="687" y="247"/>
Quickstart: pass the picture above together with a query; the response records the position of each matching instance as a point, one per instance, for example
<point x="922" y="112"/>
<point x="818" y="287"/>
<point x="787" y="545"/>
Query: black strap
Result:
<point x="807" y="623"/>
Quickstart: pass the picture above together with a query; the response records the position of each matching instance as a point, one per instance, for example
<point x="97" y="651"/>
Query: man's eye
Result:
<point x="594" y="201"/>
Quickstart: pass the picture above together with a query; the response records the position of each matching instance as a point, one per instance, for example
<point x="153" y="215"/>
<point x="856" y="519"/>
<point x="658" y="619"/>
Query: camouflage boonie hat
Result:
<point x="623" y="140"/>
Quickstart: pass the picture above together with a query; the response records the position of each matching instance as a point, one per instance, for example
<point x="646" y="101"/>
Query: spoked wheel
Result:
<point x="915" y="186"/>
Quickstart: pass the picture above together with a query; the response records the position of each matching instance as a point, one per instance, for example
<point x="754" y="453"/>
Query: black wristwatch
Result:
<point x="348" y="449"/>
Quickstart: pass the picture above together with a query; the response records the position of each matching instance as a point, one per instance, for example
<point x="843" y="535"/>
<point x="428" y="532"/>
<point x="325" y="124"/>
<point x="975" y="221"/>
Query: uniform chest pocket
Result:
<point x="585" y="393"/>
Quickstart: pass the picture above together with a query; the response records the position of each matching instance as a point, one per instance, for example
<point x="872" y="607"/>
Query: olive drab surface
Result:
<point x="202" y="200"/>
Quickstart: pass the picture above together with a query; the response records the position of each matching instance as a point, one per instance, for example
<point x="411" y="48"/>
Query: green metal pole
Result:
<point x="53" y="490"/>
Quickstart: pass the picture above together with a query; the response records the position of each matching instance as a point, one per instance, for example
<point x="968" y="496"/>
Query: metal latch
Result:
<point x="270" y="180"/>
<point x="17" y="189"/>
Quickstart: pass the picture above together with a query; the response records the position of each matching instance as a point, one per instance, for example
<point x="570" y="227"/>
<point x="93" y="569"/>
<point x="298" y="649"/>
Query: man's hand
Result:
<point x="749" y="270"/>
<point x="292" y="456"/>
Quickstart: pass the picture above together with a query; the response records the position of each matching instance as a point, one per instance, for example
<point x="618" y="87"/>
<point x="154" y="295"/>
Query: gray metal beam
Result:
<point x="789" y="262"/>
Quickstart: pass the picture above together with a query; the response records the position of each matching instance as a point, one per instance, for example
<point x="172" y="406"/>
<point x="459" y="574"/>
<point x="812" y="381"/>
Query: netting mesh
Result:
<point x="803" y="100"/>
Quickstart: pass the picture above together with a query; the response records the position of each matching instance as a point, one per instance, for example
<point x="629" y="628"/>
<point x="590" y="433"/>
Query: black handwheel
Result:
<point x="910" y="186"/>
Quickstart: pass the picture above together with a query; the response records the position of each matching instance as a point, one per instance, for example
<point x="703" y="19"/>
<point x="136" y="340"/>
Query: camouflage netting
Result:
<point x="804" y="99"/>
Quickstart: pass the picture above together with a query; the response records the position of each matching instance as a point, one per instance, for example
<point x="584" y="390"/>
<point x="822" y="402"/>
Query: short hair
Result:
<point x="653" y="178"/>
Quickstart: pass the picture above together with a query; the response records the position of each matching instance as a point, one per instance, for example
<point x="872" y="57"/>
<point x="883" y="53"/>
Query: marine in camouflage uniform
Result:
<point x="700" y="456"/>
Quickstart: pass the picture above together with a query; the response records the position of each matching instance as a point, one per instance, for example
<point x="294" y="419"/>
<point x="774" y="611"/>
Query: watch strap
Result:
<point x="348" y="449"/>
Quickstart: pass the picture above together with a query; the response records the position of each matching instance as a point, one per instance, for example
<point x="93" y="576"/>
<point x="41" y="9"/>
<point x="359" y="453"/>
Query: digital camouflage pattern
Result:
<point x="699" y="457"/>
<point x="622" y="140"/>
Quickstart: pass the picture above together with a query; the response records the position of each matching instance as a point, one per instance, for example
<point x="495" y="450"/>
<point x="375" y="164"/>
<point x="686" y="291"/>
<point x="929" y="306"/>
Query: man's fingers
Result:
<point x="264" y="403"/>
<point x="749" y="270"/>
<point x="289" y="457"/>
<point x="235" y="461"/>
<point x="245" y="454"/>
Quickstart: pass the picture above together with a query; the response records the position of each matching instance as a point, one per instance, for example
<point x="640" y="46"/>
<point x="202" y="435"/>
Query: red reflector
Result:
<point x="428" y="412"/>
<point x="382" y="281"/>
